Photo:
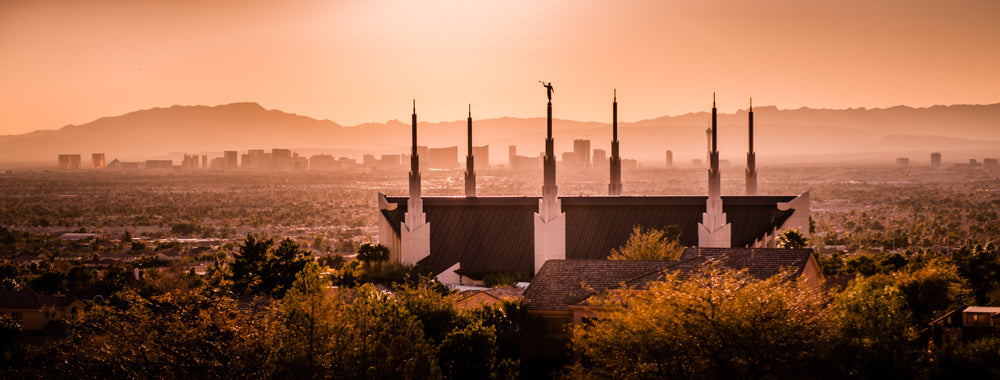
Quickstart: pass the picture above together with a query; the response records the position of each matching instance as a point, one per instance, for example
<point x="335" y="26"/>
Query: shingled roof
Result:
<point x="496" y="234"/>
<point x="561" y="283"/>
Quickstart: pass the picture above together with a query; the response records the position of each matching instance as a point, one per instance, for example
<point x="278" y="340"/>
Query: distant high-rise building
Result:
<point x="935" y="160"/>
<point x="389" y="161"/>
<point x="973" y="162"/>
<point x="97" y="160"/>
<point x="204" y="161"/>
<point x="511" y="155"/>
<point x="523" y="162"/>
<point x="581" y="149"/>
<point x="69" y="161"/>
<point x="670" y="159"/>
<point x="902" y="161"/>
<point x="281" y="159"/>
<point x="600" y="160"/>
<point x="256" y="159"/>
<point x="482" y="155"/>
<point x="444" y="158"/>
<point x="322" y="162"/>
<point x="368" y="160"/>
<point x="990" y="163"/>
<point x="190" y="161"/>
<point x="217" y="163"/>
<point x="569" y="159"/>
<point x="630" y="164"/>
<point x="230" y="156"/>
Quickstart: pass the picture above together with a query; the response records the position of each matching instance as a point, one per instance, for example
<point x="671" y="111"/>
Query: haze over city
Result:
<point x="352" y="62"/>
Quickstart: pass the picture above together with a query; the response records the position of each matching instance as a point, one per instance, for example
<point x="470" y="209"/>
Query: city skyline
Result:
<point x="353" y="63"/>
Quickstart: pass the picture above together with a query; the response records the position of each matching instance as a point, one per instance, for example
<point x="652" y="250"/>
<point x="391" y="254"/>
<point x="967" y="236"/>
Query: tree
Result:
<point x="126" y="237"/>
<point x="368" y="252"/>
<point x="260" y="268"/>
<point x="377" y="338"/>
<point x="933" y="287"/>
<point x="712" y="324"/>
<point x="870" y="330"/>
<point x="310" y="319"/>
<point x="651" y="245"/>
<point x="178" y="334"/>
<point x="283" y="264"/>
<point x="980" y="266"/>
<point x="792" y="239"/>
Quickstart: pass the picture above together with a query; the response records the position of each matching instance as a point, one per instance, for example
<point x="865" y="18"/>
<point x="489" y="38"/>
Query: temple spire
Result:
<point x="549" y="189"/>
<point x="714" y="231"/>
<point x="615" y="187"/>
<point x="415" y="231"/>
<point x="414" y="166"/>
<point x="470" y="164"/>
<point x="550" y="220"/>
<point x="751" y="157"/>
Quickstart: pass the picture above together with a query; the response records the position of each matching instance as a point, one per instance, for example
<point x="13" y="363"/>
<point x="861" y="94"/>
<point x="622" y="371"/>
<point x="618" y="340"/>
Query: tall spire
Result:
<point x="414" y="165"/>
<point x="550" y="220"/>
<point x="615" y="187"/>
<point x="549" y="190"/>
<point x="714" y="231"/>
<point x="751" y="158"/>
<point x="470" y="164"/>
<point x="415" y="231"/>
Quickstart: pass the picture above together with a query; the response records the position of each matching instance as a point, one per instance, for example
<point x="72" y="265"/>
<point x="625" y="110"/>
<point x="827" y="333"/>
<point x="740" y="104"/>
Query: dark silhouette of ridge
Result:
<point x="241" y="126"/>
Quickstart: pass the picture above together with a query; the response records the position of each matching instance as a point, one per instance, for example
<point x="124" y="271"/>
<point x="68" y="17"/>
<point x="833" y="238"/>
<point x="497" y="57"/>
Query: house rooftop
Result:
<point x="562" y="283"/>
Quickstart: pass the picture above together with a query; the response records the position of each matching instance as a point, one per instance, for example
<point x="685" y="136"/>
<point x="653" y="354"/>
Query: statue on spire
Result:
<point x="548" y="89"/>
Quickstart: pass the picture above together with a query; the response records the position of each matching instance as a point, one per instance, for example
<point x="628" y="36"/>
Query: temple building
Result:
<point x="462" y="239"/>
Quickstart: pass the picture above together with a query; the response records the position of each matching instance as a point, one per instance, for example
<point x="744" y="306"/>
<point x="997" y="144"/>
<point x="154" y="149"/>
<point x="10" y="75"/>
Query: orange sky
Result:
<point x="69" y="62"/>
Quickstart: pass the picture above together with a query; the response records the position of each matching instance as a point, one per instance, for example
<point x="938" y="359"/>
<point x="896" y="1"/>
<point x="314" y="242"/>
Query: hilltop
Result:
<point x="780" y="134"/>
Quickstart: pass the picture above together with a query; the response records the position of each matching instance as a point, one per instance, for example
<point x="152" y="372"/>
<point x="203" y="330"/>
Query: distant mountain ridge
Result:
<point x="240" y="126"/>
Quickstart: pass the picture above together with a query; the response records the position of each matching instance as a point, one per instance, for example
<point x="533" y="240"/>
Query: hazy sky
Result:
<point x="70" y="62"/>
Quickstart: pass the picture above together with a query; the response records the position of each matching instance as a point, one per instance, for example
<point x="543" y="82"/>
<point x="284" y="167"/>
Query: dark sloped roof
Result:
<point x="485" y="234"/>
<point x="496" y="234"/>
<point x="561" y="283"/>
<point x="760" y="263"/>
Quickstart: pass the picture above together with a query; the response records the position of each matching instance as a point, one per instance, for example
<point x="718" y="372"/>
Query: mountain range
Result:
<point x="781" y="135"/>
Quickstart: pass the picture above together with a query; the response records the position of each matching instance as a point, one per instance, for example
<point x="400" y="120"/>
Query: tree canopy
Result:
<point x="650" y="245"/>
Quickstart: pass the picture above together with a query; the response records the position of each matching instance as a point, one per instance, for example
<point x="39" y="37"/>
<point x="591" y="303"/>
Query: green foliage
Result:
<point x="381" y="339"/>
<point x="980" y="266"/>
<point x="370" y="253"/>
<point x="861" y="264"/>
<point x="171" y="335"/>
<point x="138" y="246"/>
<point x="186" y="229"/>
<point x="650" y="245"/>
<point x="870" y="330"/>
<point x="151" y="261"/>
<point x="10" y="329"/>
<point x="792" y="239"/>
<point x="261" y="268"/>
<point x="931" y="289"/>
<point x="499" y="280"/>
<point x="164" y="245"/>
<point x="716" y="324"/>
<point x="332" y="261"/>
<point x="126" y="237"/>
<point x="973" y="360"/>
<point x="384" y="273"/>
<point x="310" y="319"/>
